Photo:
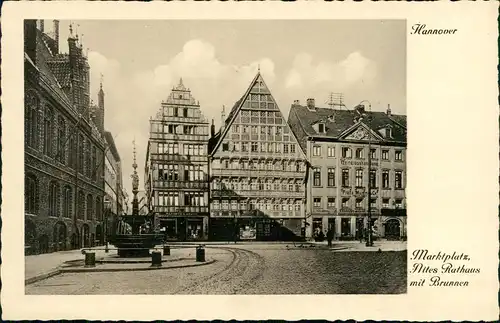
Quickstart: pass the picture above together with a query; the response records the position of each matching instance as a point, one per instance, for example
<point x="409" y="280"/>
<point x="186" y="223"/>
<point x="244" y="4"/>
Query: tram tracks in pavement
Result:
<point x="244" y="269"/>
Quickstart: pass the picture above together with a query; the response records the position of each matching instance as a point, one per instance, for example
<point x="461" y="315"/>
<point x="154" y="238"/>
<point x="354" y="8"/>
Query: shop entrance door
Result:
<point x="345" y="227"/>
<point x="194" y="229"/>
<point x="392" y="229"/>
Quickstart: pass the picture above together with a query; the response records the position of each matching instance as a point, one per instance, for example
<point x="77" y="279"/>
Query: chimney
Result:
<point x="311" y="104"/>
<point x="296" y="102"/>
<point x="42" y="25"/>
<point x="212" y="129"/>
<point x="30" y="39"/>
<point x="389" y="110"/>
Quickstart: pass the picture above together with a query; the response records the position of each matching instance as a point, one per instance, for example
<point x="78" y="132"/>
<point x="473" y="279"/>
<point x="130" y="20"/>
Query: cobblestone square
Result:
<point x="250" y="269"/>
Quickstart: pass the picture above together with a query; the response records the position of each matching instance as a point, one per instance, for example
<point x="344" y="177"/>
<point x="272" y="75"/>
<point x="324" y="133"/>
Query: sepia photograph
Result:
<point x="215" y="157"/>
<point x="247" y="160"/>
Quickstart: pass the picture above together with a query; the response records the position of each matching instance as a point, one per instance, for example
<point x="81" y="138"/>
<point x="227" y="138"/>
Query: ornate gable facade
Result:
<point x="257" y="166"/>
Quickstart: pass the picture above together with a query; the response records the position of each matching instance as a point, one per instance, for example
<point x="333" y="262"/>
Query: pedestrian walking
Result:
<point x="329" y="237"/>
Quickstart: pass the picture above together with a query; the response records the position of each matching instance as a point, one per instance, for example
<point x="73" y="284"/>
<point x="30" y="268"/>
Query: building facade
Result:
<point x="64" y="146"/>
<point x="176" y="171"/>
<point x="340" y="145"/>
<point x="112" y="178"/>
<point x="257" y="172"/>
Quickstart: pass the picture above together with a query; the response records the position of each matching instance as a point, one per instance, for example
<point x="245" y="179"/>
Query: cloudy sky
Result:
<point x="142" y="60"/>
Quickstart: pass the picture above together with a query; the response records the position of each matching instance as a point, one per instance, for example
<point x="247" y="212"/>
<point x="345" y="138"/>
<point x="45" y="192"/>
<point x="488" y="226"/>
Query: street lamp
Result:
<point x="369" y="238"/>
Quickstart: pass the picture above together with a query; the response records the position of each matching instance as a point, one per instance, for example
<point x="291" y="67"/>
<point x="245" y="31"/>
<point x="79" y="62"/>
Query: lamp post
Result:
<point x="369" y="238"/>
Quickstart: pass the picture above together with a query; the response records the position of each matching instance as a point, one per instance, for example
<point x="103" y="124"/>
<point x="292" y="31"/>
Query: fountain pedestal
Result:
<point x="135" y="245"/>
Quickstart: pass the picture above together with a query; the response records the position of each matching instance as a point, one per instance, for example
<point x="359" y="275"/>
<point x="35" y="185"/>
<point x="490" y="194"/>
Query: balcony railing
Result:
<point x="181" y="210"/>
<point x="180" y="184"/>
<point x="255" y="213"/>
<point x="261" y="155"/>
<point x="186" y="120"/>
<point x="179" y="158"/>
<point x="178" y="137"/>
<point x="256" y="173"/>
<point x="258" y="193"/>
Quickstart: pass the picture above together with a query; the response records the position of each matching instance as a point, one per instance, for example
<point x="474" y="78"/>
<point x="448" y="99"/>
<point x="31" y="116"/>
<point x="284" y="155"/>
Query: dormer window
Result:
<point x="386" y="131"/>
<point x="321" y="128"/>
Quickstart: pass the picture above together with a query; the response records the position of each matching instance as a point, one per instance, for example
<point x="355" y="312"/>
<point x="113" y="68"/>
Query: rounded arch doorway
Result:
<point x="392" y="229"/>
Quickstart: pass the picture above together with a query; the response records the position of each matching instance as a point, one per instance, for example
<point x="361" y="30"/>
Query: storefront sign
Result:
<point x="350" y="162"/>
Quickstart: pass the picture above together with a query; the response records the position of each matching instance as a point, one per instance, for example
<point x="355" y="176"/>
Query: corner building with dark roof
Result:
<point x="336" y="143"/>
<point x="257" y="172"/>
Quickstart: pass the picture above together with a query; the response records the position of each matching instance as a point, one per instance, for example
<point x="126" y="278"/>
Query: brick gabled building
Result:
<point x="64" y="145"/>
<point x="257" y="172"/>
<point x="336" y="143"/>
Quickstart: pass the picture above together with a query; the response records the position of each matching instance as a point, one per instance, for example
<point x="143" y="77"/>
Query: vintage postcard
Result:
<point x="322" y="161"/>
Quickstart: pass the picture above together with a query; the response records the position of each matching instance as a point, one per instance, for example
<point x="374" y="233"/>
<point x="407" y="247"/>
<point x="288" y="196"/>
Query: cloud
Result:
<point x="131" y="99"/>
<point x="307" y="78"/>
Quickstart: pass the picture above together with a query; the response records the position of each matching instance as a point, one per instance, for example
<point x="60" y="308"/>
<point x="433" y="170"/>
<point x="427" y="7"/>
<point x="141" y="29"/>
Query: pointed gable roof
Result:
<point x="257" y="86"/>
<point x="360" y="131"/>
<point x="232" y="115"/>
<point x="237" y="106"/>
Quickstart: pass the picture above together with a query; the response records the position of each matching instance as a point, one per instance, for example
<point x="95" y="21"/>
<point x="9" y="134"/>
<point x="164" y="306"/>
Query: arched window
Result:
<point x="31" y="194"/>
<point x="67" y="201"/>
<point x="53" y="198"/>
<point x="87" y="160"/>
<point x="94" y="163"/>
<point x="98" y="208"/>
<point x="48" y="131"/>
<point x="81" y="205"/>
<point x="81" y="143"/>
<point x="90" y="208"/>
<point x="61" y="141"/>
<point x="32" y="107"/>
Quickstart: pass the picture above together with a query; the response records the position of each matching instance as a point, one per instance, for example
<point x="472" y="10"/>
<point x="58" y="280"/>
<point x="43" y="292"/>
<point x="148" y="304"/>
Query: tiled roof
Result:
<point x="338" y="121"/>
<point x="61" y="70"/>
<point x="43" y="57"/>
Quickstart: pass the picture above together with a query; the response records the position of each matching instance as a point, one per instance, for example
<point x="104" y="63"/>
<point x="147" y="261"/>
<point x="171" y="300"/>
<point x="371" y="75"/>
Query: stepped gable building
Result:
<point x="64" y="147"/>
<point x="257" y="172"/>
<point x="176" y="170"/>
<point x="336" y="143"/>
